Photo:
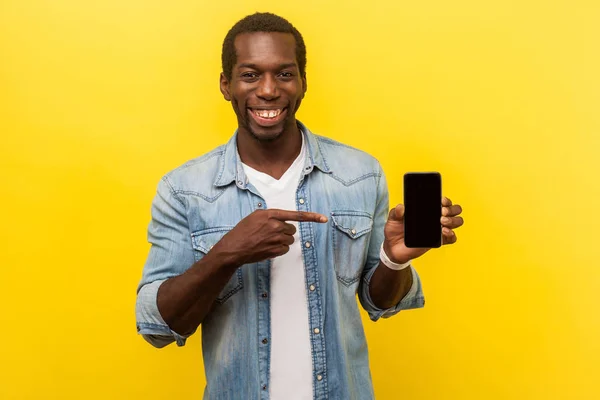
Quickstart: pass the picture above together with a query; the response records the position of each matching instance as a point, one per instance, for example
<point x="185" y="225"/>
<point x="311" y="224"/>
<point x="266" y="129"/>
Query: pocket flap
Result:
<point x="205" y="239"/>
<point x="352" y="223"/>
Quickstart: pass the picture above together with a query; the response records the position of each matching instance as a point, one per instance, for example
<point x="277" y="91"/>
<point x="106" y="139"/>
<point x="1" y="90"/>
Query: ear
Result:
<point x="304" y="85"/>
<point x="224" y="86"/>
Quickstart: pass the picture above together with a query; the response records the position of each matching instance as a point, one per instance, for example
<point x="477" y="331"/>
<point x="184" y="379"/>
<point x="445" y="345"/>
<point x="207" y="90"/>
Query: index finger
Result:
<point x="286" y="215"/>
<point x="446" y="202"/>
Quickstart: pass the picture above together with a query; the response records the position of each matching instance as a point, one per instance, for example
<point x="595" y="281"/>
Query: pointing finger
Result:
<point x="300" y="216"/>
<point x="446" y="202"/>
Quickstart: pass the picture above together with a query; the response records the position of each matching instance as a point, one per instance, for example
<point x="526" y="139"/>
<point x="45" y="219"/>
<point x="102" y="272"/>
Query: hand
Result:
<point x="393" y="244"/>
<point x="262" y="235"/>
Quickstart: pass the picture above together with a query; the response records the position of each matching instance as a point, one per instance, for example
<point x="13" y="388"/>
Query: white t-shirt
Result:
<point x="291" y="360"/>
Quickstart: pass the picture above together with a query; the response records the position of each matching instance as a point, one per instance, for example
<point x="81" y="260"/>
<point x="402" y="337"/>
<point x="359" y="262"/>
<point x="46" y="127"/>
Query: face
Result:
<point x="266" y="88"/>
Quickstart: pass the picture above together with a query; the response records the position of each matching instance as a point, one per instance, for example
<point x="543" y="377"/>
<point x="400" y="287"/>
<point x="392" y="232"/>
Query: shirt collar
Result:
<point x="231" y="169"/>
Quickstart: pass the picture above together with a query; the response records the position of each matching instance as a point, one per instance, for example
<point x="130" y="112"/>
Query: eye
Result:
<point x="248" y="76"/>
<point x="286" y="74"/>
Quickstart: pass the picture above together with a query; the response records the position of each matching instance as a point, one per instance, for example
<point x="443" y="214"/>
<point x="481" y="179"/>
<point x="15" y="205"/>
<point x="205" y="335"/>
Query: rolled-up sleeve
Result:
<point x="414" y="298"/>
<point x="171" y="254"/>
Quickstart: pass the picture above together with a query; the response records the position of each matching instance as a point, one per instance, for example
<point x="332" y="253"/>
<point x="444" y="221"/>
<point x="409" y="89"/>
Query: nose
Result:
<point x="267" y="87"/>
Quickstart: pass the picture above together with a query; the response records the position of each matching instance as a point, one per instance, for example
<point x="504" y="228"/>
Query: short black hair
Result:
<point x="260" y="22"/>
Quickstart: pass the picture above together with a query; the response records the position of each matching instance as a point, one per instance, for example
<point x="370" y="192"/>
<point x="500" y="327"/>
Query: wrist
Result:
<point x="388" y="252"/>
<point x="389" y="262"/>
<point x="223" y="259"/>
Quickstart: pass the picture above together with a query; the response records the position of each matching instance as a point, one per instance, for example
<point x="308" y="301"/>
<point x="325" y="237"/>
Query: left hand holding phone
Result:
<point x="393" y="244"/>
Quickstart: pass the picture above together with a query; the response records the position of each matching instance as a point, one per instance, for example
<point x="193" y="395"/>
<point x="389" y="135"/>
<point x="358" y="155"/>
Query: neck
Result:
<point x="272" y="157"/>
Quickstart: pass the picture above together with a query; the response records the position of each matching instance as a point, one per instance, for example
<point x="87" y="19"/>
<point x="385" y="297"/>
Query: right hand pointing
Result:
<point x="262" y="235"/>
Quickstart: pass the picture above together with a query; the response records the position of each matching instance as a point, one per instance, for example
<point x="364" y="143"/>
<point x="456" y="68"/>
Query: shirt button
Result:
<point x="317" y="330"/>
<point x="265" y="295"/>
<point x="301" y="201"/>
<point x="259" y="205"/>
<point x="265" y="341"/>
<point x="353" y="231"/>
<point x="312" y="288"/>
<point x="319" y="378"/>
<point x="264" y="387"/>
<point x="307" y="244"/>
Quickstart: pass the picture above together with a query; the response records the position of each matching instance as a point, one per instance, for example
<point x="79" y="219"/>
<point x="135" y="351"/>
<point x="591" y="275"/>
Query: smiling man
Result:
<point x="265" y="241"/>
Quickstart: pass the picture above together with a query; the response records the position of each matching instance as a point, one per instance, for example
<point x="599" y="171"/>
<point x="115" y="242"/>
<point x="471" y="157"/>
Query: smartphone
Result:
<point x="422" y="209"/>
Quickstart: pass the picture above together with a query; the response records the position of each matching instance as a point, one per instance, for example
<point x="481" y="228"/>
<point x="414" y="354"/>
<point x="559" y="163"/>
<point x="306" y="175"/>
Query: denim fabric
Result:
<point x="199" y="202"/>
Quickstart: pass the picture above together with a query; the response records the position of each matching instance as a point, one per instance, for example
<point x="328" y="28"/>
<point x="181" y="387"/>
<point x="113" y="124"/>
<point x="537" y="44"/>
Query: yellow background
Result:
<point x="98" y="99"/>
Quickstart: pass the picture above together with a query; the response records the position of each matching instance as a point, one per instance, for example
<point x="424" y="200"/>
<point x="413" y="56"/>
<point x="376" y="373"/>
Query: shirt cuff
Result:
<point x="150" y="323"/>
<point x="413" y="299"/>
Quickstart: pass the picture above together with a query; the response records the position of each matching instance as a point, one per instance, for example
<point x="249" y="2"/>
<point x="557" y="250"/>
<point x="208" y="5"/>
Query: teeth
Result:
<point x="267" y="113"/>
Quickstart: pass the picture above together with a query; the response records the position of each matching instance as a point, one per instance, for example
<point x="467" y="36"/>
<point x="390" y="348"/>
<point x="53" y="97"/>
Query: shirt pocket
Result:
<point x="202" y="242"/>
<point x="351" y="236"/>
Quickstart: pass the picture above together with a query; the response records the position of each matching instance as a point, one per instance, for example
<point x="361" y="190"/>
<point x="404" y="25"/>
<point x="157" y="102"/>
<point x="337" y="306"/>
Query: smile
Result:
<point x="268" y="114"/>
<point x="268" y="117"/>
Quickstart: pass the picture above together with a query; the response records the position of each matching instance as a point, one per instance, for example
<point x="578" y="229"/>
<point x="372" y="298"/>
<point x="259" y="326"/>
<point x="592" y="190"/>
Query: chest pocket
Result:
<point x="351" y="235"/>
<point x="202" y="242"/>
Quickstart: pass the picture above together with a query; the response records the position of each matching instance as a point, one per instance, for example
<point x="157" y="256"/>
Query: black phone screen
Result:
<point x="422" y="209"/>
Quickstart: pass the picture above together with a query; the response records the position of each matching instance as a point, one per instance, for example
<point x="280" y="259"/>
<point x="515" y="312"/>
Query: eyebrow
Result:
<point x="254" y="66"/>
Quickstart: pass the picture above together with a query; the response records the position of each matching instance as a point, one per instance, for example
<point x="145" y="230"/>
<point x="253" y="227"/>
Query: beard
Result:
<point x="244" y="120"/>
<point x="263" y="139"/>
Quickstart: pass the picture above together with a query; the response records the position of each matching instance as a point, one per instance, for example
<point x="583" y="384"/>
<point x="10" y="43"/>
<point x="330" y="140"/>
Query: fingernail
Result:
<point x="323" y="219"/>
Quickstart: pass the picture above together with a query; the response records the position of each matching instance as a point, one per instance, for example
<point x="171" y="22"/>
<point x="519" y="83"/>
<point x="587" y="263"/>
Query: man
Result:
<point x="266" y="241"/>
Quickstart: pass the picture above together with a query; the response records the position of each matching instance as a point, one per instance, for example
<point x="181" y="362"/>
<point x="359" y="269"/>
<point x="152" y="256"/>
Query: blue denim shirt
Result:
<point x="199" y="202"/>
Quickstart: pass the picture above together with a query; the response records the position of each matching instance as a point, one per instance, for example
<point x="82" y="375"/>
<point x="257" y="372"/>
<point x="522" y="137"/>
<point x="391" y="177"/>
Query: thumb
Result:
<point x="397" y="213"/>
